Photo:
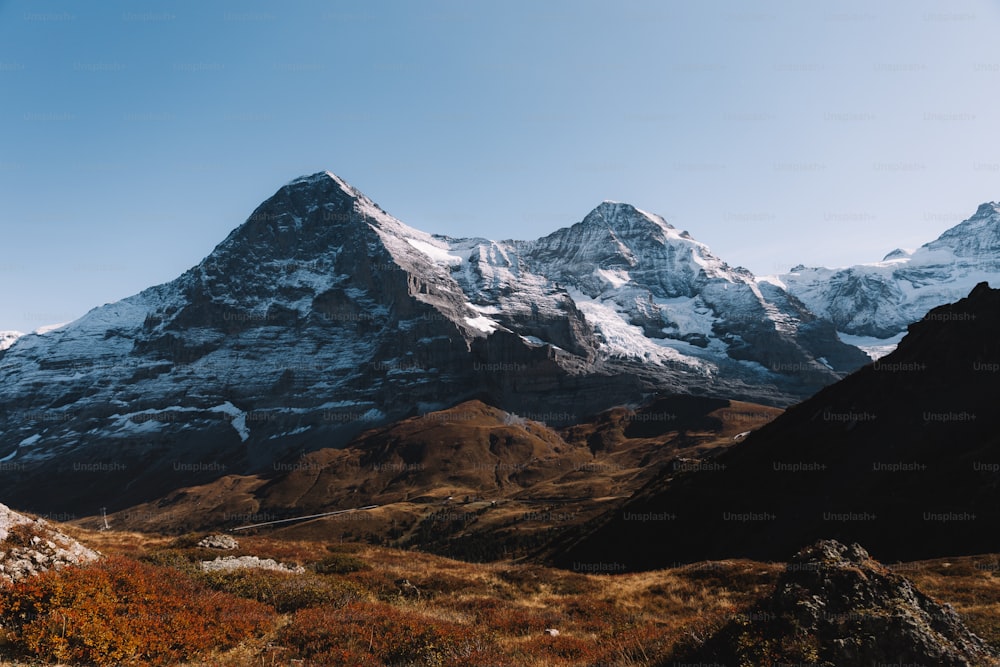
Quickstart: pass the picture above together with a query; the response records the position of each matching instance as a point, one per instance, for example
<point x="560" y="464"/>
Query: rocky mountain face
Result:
<point x="880" y="300"/>
<point x="902" y="456"/>
<point x="654" y="292"/>
<point x="834" y="605"/>
<point x="322" y="316"/>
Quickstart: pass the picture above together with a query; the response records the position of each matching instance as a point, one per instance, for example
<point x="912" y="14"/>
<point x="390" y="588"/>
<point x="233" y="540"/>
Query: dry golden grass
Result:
<point x="122" y="543"/>
<point x="631" y="619"/>
<point x="969" y="584"/>
<point x="624" y="620"/>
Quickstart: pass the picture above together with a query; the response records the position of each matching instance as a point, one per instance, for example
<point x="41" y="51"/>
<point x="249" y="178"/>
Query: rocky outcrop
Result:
<point x="31" y="546"/>
<point x="221" y="542"/>
<point x="834" y="605"/>
<point x="231" y="563"/>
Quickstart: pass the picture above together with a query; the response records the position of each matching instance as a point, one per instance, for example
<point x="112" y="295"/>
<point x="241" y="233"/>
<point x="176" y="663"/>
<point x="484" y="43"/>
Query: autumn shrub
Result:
<point x="636" y="644"/>
<point x="186" y="541"/>
<point x="174" y="558"/>
<point x="281" y="550"/>
<point x="504" y="617"/>
<point x="433" y="584"/>
<point x="285" y="591"/>
<point x="340" y="563"/>
<point x="118" y="611"/>
<point x="380" y="582"/>
<point x="528" y="579"/>
<point x="377" y="633"/>
<point x="24" y="535"/>
<point x="594" y="631"/>
<point x="589" y="614"/>
<point x="565" y="650"/>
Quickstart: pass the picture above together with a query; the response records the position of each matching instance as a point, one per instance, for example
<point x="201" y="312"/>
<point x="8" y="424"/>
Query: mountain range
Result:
<point x="322" y="316"/>
<point x="879" y="300"/>
<point x="610" y="398"/>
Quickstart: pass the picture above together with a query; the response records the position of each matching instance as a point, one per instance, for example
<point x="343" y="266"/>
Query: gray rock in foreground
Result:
<point x="834" y="605"/>
<point x="31" y="546"/>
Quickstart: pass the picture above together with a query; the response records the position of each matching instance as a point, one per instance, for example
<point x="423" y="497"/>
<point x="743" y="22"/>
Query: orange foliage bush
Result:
<point x="375" y="633"/>
<point x="22" y="535"/>
<point x="588" y="614"/>
<point x="340" y="563"/>
<point x="565" y="650"/>
<point x="285" y="591"/>
<point x="120" y="611"/>
<point x="504" y="617"/>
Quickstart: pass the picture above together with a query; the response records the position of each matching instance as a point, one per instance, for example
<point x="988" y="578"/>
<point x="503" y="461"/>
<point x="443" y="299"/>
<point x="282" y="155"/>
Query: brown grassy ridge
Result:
<point x="457" y="613"/>
<point x="470" y="451"/>
<point x="471" y="482"/>
<point x="970" y="584"/>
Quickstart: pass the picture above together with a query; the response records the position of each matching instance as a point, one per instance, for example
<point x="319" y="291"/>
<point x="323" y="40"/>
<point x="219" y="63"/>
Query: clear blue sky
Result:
<point x="135" y="135"/>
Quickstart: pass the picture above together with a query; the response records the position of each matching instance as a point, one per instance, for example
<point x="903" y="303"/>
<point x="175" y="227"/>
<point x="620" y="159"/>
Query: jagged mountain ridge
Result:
<point x="322" y="316"/>
<point x="650" y="293"/>
<point x="879" y="300"/>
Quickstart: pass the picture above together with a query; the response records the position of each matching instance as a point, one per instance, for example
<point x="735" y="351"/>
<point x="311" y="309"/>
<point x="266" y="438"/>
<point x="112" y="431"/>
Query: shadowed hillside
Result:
<point x="472" y="481"/>
<point x="902" y="456"/>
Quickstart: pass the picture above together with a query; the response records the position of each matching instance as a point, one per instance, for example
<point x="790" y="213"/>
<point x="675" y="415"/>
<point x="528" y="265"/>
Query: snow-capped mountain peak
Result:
<point x="622" y="217"/>
<point x="877" y="301"/>
<point x="977" y="238"/>
<point x="323" y="176"/>
<point x="7" y="338"/>
<point x="617" y="237"/>
<point x="625" y="219"/>
<point x="898" y="253"/>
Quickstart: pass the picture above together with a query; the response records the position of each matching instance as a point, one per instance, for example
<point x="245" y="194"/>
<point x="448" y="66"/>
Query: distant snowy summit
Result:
<point x="873" y="304"/>
<point x="7" y="338"/>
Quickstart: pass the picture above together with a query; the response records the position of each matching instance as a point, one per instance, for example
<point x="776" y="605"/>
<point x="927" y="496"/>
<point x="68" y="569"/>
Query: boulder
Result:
<point x="32" y="546"/>
<point x="834" y="605"/>
<point x="230" y="563"/>
<point x="223" y="542"/>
